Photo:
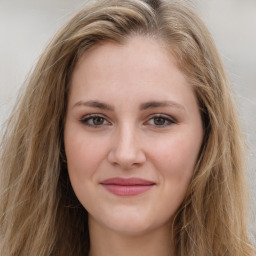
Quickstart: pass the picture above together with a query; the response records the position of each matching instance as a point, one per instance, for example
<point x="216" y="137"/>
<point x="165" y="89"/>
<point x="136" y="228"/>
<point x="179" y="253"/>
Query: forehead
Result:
<point x="145" y="48"/>
<point x="141" y="67"/>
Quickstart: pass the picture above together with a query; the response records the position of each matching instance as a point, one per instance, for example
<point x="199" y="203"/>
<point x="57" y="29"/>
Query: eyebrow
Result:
<point x="94" y="104"/>
<point x="143" y="106"/>
<point x="157" y="104"/>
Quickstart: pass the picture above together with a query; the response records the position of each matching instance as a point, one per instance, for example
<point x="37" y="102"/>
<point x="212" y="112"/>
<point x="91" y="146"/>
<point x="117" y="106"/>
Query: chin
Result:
<point x="129" y="229"/>
<point x="131" y="224"/>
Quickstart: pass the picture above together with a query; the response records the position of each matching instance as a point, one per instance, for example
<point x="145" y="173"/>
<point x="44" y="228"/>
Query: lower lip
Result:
<point x="131" y="190"/>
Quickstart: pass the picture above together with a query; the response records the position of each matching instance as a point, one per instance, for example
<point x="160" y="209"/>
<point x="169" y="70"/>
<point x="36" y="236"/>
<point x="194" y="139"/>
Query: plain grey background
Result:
<point x="26" y="26"/>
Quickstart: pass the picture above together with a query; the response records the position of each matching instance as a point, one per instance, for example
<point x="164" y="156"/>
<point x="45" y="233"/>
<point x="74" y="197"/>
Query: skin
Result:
<point x="129" y="139"/>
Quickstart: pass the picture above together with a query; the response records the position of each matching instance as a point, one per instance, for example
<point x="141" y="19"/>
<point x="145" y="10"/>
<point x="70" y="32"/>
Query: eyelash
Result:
<point x="85" y="120"/>
<point x="167" y="120"/>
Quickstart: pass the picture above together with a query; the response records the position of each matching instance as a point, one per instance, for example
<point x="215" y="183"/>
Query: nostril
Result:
<point x="126" y="159"/>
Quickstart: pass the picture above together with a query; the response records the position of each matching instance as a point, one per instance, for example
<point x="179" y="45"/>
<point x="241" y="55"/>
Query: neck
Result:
<point x="106" y="242"/>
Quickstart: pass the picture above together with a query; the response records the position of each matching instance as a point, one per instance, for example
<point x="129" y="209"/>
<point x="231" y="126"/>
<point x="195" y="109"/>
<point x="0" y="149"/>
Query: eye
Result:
<point x="94" y="121"/>
<point x="160" y="121"/>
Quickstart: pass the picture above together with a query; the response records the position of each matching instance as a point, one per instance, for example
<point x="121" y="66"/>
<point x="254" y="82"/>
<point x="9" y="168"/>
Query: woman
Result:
<point x="125" y="142"/>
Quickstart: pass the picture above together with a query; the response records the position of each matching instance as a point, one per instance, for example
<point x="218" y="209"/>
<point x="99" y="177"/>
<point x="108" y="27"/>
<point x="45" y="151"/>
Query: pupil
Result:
<point x="98" y="120"/>
<point x="159" y="120"/>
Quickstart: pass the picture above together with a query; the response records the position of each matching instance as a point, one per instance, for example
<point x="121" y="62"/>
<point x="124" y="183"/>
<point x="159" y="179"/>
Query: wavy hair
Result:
<point x="39" y="213"/>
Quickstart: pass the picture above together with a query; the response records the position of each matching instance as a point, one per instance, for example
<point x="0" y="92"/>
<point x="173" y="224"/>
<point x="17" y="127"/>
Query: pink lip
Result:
<point x="127" y="186"/>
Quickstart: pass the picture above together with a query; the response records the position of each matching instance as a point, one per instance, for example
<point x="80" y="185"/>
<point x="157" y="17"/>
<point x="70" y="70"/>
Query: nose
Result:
<point x="126" y="151"/>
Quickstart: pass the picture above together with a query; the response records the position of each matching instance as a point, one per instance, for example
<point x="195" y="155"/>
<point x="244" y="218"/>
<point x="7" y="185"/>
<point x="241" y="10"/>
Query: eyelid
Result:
<point x="86" y="118"/>
<point x="168" y="118"/>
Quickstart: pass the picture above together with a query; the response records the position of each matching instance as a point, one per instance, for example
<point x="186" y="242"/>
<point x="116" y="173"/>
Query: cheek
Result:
<point x="84" y="154"/>
<point x="175" y="159"/>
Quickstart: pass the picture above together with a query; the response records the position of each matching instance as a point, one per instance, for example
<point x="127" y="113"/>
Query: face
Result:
<point x="132" y="135"/>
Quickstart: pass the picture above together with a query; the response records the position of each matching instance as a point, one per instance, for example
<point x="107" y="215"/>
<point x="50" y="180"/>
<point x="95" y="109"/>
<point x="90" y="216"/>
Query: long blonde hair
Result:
<point x="39" y="213"/>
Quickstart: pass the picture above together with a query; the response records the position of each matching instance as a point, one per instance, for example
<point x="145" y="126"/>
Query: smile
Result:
<point x="127" y="187"/>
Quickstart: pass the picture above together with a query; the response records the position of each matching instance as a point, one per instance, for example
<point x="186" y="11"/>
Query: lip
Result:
<point x="127" y="186"/>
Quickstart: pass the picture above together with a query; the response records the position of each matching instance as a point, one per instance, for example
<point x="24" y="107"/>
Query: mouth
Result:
<point x="127" y="186"/>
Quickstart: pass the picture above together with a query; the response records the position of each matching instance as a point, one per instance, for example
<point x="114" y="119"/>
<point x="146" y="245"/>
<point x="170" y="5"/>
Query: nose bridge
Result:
<point x="127" y="150"/>
<point x="126" y="141"/>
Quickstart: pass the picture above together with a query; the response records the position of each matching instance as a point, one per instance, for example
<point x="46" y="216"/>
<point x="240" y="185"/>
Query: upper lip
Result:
<point x="127" y="181"/>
